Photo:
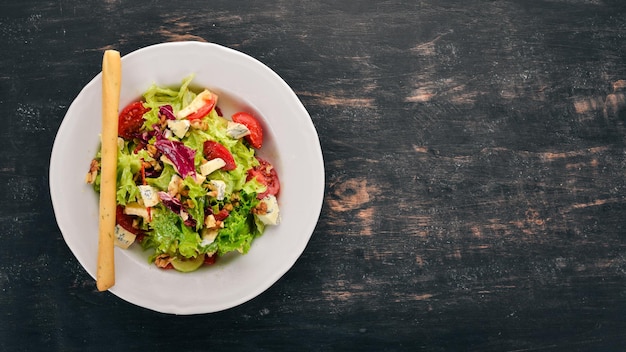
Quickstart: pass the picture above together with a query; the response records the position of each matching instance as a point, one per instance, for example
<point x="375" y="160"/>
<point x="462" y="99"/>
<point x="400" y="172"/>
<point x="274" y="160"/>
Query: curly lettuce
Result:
<point x="176" y="227"/>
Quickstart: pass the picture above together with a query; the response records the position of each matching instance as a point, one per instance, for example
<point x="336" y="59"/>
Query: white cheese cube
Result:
<point x="212" y="165"/>
<point x="199" y="178"/>
<point x="219" y="187"/>
<point x="236" y="130"/>
<point x="272" y="215"/>
<point x="123" y="238"/>
<point x="136" y="209"/>
<point x="208" y="236"/>
<point x="178" y="127"/>
<point x="149" y="195"/>
<point x="210" y="222"/>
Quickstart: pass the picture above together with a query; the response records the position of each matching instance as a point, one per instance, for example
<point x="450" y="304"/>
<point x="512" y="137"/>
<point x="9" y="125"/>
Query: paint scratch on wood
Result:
<point x="366" y="217"/>
<point x="584" y="105"/>
<point x="351" y="194"/>
<point x="179" y="30"/>
<point x="619" y="85"/>
<point x="594" y="203"/>
<point x="420" y="149"/>
<point x="176" y="37"/>
<point x="552" y="156"/>
<point x="428" y="48"/>
<point x="609" y="106"/>
<point x="410" y="297"/>
<point x="420" y="95"/>
<point x="330" y="100"/>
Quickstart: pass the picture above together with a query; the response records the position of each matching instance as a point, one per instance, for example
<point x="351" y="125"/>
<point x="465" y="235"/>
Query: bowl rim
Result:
<point x="316" y="159"/>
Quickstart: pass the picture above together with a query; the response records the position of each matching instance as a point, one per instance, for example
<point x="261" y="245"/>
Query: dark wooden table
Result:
<point x="475" y="174"/>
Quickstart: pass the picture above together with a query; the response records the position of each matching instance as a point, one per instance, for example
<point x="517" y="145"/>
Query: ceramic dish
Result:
<point x="291" y="143"/>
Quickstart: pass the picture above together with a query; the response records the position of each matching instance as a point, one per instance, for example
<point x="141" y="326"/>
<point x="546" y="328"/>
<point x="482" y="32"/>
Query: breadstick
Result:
<point x="111" y="81"/>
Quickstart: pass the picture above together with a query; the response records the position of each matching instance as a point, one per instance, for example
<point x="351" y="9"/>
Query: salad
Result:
<point x="190" y="185"/>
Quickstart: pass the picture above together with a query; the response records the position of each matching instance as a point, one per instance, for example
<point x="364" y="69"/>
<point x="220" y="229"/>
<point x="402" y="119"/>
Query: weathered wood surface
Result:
<point x="475" y="163"/>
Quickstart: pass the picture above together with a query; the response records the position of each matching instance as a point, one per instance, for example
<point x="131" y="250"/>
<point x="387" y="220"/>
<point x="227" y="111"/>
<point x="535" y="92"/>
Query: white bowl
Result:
<point x="291" y="143"/>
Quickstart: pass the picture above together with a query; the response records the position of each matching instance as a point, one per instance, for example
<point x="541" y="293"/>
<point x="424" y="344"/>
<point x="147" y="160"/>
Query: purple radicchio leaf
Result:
<point x="181" y="156"/>
<point x="145" y="136"/>
<point x="177" y="207"/>
<point x="168" y="111"/>
<point x="152" y="173"/>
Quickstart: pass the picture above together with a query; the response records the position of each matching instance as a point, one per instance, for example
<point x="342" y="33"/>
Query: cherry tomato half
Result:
<point x="126" y="222"/>
<point x="210" y="259"/>
<point x="214" y="150"/>
<point x="131" y="120"/>
<point x="221" y="215"/>
<point x="255" y="138"/>
<point x="204" y="109"/>
<point x="266" y="175"/>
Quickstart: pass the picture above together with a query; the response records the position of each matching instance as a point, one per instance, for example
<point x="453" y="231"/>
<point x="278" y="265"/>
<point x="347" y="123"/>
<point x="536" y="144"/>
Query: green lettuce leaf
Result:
<point x="156" y="96"/>
<point x="239" y="227"/>
<point x="188" y="244"/>
<point x="164" y="179"/>
<point x="128" y="164"/>
<point x="197" y="195"/>
<point x="165" y="231"/>
<point x="170" y="235"/>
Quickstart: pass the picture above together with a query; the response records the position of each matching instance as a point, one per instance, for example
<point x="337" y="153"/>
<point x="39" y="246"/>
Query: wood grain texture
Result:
<point x="475" y="160"/>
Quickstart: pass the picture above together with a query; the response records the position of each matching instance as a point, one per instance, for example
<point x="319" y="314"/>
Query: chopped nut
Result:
<point x="175" y="185"/>
<point x="90" y="178"/>
<point x="200" y="125"/>
<point x="94" y="166"/>
<point x="229" y="207"/>
<point x="154" y="164"/>
<point x="260" y="209"/>
<point x="162" y="260"/>
<point x="152" y="150"/>
<point x="93" y="172"/>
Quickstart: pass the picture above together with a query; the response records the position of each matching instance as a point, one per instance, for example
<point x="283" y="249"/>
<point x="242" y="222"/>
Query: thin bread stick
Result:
<point x="111" y="82"/>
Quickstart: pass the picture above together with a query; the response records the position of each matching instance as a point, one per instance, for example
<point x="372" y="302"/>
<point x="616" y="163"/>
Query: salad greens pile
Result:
<point x="189" y="184"/>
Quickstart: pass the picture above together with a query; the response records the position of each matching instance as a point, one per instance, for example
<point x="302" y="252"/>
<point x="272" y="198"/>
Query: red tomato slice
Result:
<point x="255" y="138"/>
<point x="131" y="120"/>
<point x="210" y="260"/>
<point x="214" y="150"/>
<point x="204" y="110"/>
<point x="125" y="221"/>
<point x="221" y="215"/>
<point x="266" y="175"/>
